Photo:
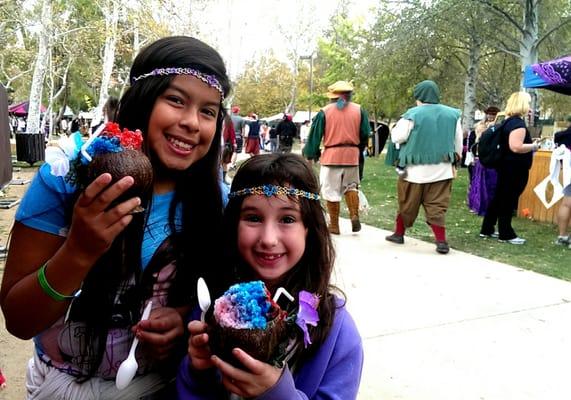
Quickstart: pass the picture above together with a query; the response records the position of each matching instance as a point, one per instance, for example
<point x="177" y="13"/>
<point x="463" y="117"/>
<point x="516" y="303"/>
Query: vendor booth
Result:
<point x="549" y="172"/>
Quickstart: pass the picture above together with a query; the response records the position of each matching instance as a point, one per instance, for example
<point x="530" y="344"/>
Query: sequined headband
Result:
<point x="273" y="190"/>
<point x="210" y="80"/>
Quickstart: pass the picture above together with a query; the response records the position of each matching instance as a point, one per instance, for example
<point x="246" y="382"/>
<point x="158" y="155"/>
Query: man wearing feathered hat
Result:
<point x="342" y="125"/>
<point x="429" y="137"/>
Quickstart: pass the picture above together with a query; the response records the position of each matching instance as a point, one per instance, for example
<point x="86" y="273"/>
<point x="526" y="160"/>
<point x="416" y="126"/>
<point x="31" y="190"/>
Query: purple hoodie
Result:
<point x="333" y="372"/>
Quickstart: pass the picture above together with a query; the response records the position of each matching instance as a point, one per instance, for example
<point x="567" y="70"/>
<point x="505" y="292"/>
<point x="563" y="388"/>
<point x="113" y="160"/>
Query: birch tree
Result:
<point x="16" y="60"/>
<point x="110" y="9"/>
<point x="525" y="46"/>
<point x="35" y="98"/>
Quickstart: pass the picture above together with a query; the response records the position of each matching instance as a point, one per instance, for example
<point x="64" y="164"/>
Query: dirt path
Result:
<point x="14" y="353"/>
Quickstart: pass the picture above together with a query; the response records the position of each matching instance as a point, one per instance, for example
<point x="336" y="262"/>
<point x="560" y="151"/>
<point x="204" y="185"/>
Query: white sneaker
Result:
<point x="563" y="240"/>
<point x="515" y="240"/>
<point x="494" y="235"/>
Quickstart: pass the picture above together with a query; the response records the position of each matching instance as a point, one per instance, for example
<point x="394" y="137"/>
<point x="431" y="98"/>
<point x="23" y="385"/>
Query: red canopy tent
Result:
<point x="21" y="109"/>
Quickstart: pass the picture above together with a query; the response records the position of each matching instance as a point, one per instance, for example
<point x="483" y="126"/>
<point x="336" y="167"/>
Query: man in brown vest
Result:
<point x="343" y="126"/>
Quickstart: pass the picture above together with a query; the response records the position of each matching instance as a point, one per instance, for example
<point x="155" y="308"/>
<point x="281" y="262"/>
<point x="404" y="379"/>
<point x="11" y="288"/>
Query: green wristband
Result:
<point x="50" y="291"/>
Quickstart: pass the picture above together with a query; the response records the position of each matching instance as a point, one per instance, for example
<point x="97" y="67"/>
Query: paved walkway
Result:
<point x="455" y="326"/>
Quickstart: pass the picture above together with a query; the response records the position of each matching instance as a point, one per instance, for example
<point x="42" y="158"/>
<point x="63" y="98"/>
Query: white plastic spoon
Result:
<point x="203" y="297"/>
<point x="129" y="366"/>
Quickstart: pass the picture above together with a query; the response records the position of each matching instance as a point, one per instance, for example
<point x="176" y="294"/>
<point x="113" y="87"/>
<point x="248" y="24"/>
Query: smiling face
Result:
<point x="271" y="236"/>
<point x="183" y="122"/>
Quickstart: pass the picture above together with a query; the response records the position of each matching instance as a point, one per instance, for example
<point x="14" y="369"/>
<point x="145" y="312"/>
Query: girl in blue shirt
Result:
<point x="66" y="239"/>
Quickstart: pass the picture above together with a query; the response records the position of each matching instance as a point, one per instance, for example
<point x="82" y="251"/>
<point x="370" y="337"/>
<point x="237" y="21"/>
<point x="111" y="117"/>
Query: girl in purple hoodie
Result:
<point x="276" y="232"/>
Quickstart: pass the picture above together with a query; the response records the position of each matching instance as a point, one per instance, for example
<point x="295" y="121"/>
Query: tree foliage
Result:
<point x="472" y="49"/>
<point x="264" y="87"/>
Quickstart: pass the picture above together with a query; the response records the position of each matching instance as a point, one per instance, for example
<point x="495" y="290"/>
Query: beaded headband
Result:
<point x="210" y="80"/>
<point x="273" y="190"/>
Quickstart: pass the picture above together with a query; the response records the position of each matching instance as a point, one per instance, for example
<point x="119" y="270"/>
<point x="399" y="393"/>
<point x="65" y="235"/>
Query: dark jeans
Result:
<point x="239" y="143"/>
<point x="511" y="182"/>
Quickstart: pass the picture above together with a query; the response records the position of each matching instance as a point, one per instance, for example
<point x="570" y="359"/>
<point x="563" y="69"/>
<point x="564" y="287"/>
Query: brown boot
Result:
<point x="333" y="210"/>
<point x="352" y="199"/>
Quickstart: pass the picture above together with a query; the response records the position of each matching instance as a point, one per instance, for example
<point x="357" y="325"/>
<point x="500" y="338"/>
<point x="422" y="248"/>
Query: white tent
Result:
<point x="271" y="118"/>
<point x="301" y="116"/>
<point x="68" y="112"/>
<point x="86" y="115"/>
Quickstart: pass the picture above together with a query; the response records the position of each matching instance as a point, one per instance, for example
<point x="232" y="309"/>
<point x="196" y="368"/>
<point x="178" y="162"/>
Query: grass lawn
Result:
<point x="539" y="254"/>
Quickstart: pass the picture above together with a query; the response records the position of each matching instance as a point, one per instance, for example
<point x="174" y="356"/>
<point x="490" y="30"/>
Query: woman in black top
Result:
<point x="513" y="171"/>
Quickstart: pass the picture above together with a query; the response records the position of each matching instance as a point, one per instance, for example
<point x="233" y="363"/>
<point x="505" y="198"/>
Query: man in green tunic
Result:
<point x="429" y="137"/>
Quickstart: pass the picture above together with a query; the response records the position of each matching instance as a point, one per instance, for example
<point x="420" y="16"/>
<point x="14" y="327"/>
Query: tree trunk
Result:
<point x="528" y="47"/>
<point x="111" y="22"/>
<point x="33" y="120"/>
<point x="470" y="85"/>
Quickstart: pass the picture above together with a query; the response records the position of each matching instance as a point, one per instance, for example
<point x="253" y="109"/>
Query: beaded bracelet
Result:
<point x="50" y="291"/>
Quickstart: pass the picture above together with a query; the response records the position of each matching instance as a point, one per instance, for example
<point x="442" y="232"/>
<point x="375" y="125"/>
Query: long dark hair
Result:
<point x="314" y="269"/>
<point x="197" y="193"/>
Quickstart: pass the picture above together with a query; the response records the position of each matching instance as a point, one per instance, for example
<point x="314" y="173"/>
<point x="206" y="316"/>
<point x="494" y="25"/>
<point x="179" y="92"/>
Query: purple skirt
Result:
<point x="482" y="188"/>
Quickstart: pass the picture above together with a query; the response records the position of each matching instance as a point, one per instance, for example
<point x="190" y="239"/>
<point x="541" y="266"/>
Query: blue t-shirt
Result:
<point x="48" y="204"/>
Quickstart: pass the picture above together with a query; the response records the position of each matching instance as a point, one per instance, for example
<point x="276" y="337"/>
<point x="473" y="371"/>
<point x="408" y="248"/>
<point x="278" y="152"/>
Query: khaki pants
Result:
<point x="434" y="198"/>
<point x="336" y="181"/>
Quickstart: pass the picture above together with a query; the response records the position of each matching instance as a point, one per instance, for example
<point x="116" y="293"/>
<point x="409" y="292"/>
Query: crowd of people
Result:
<point x="428" y="145"/>
<point x="494" y="192"/>
<point x="250" y="135"/>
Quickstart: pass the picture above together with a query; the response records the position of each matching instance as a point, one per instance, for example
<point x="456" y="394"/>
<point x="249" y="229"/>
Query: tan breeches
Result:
<point x="434" y="198"/>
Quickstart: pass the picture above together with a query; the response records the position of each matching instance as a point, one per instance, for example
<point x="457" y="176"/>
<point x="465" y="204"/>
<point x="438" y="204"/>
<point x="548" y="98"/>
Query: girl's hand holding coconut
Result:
<point x="113" y="173"/>
<point x="251" y="381"/>
<point x="92" y="217"/>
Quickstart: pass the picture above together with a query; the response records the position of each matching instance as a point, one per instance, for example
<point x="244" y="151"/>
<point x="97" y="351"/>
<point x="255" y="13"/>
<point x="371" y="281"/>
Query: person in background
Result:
<point x="264" y="135"/>
<point x="564" y="212"/>
<point x="81" y="268"/>
<point x="228" y="145"/>
<point x="2" y="381"/>
<point x="304" y="133"/>
<point x="109" y="112"/>
<point x="482" y="184"/>
<point x="513" y="171"/>
<point x="21" y="127"/>
<point x="343" y="126"/>
<point x="253" y="140"/>
<point x="286" y="131"/>
<point x="273" y="139"/>
<point x="490" y="114"/>
<point x="64" y="126"/>
<point x="274" y="208"/>
<point x="239" y="130"/>
<point x="13" y="125"/>
<point x="429" y="137"/>
<point x="74" y="127"/>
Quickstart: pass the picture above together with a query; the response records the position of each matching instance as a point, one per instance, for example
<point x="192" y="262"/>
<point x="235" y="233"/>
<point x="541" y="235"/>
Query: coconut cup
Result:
<point x="126" y="163"/>
<point x="262" y="344"/>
